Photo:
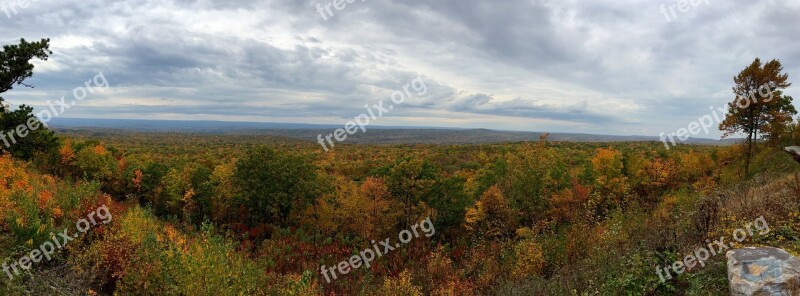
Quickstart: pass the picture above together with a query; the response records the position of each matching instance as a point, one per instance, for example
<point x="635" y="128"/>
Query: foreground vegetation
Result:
<point x="227" y="215"/>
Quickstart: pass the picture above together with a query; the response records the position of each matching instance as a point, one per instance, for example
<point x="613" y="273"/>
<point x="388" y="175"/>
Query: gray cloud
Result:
<point x="607" y="66"/>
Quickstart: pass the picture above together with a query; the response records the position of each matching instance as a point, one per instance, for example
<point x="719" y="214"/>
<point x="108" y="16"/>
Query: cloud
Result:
<point x="616" y="67"/>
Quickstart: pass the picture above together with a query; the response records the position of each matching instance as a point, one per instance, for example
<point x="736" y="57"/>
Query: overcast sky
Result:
<point x="608" y="67"/>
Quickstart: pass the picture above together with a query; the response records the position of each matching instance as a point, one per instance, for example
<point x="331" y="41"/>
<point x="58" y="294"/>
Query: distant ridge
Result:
<point x="374" y="134"/>
<point x="171" y="125"/>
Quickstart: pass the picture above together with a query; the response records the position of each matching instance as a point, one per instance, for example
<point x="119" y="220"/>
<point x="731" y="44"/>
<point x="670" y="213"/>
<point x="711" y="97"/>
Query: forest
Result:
<point x="199" y="214"/>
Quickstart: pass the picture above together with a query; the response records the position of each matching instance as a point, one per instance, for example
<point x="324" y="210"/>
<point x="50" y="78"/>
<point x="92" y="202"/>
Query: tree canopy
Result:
<point x="759" y="106"/>
<point x="15" y="62"/>
<point x="22" y="133"/>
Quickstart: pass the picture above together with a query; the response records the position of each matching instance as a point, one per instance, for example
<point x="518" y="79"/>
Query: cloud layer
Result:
<point x="611" y="66"/>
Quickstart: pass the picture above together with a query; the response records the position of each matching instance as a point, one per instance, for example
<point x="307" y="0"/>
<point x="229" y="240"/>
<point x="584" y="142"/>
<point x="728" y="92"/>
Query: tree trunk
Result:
<point x="749" y="152"/>
<point x="750" y="139"/>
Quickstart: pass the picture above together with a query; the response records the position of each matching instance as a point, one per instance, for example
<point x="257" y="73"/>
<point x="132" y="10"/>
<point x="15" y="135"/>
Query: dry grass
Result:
<point x="775" y="199"/>
<point x="58" y="280"/>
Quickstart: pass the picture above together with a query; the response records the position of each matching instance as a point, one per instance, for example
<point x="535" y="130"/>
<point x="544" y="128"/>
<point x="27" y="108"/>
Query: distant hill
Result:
<point x="374" y="135"/>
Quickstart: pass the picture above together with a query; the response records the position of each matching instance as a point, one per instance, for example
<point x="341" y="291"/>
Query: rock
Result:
<point x="763" y="271"/>
<point x="794" y="151"/>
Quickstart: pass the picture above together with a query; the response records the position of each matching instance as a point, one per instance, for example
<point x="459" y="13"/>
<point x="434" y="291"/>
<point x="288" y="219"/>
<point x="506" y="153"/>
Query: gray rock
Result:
<point x="763" y="271"/>
<point x="794" y="151"/>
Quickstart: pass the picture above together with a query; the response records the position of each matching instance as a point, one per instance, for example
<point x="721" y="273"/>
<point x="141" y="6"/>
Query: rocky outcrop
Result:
<point x="763" y="271"/>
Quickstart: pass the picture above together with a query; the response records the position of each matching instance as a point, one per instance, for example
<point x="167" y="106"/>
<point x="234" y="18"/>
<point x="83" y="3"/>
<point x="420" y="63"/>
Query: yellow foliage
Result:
<point x="57" y="213"/>
<point x="175" y="237"/>
<point x="491" y="216"/>
<point x="224" y="189"/>
<point x="607" y="162"/>
<point x="525" y="233"/>
<point x="611" y="184"/>
<point x="400" y="286"/>
<point x="136" y="225"/>
<point x="665" y="209"/>
<point x="530" y="260"/>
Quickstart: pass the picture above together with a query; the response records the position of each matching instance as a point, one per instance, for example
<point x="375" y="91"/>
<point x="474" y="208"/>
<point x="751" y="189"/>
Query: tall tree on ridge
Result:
<point x="758" y="101"/>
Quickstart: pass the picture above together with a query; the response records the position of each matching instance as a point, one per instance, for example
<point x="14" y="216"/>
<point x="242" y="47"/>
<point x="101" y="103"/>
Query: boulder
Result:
<point x="763" y="271"/>
<point x="794" y="151"/>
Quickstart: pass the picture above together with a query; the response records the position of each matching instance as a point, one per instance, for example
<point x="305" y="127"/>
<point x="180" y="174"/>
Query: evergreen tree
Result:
<point x="22" y="133"/>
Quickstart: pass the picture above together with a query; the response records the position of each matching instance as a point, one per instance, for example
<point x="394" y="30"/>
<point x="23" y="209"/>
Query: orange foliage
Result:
<point x="660" y="175"/>
<point x="137" y="180"/>
<point x="43" y="198"/>
<point x="99" y="149"/>
<point x="377" y="203"/>
<point x="12" y="179"/>
<point x="66" y="152"/>
<point x="566" y="205"/>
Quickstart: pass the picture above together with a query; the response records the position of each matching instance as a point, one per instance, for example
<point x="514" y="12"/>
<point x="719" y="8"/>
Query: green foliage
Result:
<point x="97" y="163"/>
<point x="409" y="182"/>
<point x="23" y="142"/>
<point x="450" y="201"/>
<point x="534" y="173"/>
<point x="273" y="185"/>
<point x="23" y="135"/>
<point x="15" y="65"/>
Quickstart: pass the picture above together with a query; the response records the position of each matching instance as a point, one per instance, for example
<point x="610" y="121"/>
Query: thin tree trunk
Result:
<point x="749" y="152"/>
<point x="750" y="139"/>
<point x="755" y="138"/>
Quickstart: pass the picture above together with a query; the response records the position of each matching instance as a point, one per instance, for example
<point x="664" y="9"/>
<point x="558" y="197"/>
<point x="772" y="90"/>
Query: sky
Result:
<point x="616" y="67"/>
